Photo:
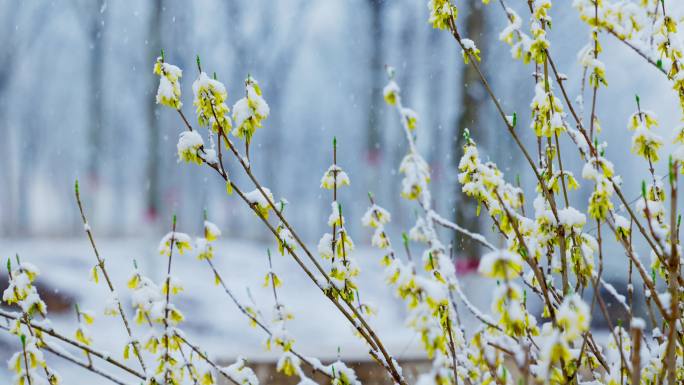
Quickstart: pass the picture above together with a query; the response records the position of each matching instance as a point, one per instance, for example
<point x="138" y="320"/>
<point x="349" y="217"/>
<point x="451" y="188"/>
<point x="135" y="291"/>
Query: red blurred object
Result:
<point x="151" y="215"/>
<point x="373" y="156"/>
<point x="465" y="266"/>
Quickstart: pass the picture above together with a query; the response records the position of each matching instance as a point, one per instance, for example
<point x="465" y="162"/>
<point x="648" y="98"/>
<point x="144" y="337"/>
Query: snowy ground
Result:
<point x="212" y="320"/>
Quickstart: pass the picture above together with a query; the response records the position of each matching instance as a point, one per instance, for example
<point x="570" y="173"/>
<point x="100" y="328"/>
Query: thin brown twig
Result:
<point x="110" y="285"/>
<point x="258" y="322"/>
<point x="208" y="360"/>
<point x="369" y="334"/>
<point x="673" y="283"/>
<point x="166" y="303"/>
<point x="87" y="366"/>
<point x="51" y="332"/>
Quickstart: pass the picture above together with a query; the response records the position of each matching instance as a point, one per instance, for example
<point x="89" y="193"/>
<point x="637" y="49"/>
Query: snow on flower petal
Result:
<point x="500" y="264"/>
<point x="189" y="145"/>
<point x="169" y="92"/>
<point x="250" y="111"/>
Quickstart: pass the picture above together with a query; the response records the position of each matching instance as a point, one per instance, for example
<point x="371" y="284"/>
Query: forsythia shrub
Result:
<point x="547" y="251"/>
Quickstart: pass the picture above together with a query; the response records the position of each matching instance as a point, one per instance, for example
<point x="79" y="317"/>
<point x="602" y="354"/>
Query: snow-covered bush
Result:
<point x="547" y="251"/>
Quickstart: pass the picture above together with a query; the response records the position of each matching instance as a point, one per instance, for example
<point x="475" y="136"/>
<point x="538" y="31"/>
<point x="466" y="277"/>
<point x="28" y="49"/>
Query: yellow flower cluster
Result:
<point x="376" y="217"/>
<point x="539" y="44"/>
<point x="485" y="183"/>
<point x="469" y="50"/>
<point x="514" y="36"/>
<point x="441" y="12"/>
<point x="416" y="175"/>
<point x="391" y="92"/>
<point x="250" y="111"/>
<point x="259" y="202"/>
<point x="189" y="147"/>
<point x="203" y="245"/>
<point x="588" y="59"/>
<point x="429" y="312"/>
<point x="21" y="290"/>
<point x="645" y="142"/>
<point x="169" y="91"/>
<point x="640" y="24"/>
<point x="27" y="362"/>
<point x="338" y="245"/>
<point x="210" y="102"/>
<point x="600" y="170"/>
<point x="181" y="243"/>
<point x="152" y="306"/>
<point x="547" y="112"/>
<point x="508" y="304"/>
<point x="335" y="177"/>
<point x="82" y="333"/>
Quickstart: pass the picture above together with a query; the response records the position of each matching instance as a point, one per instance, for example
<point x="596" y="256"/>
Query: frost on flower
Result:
<point x="343" y="374"/>
<point x="28" y="363"/>
<point x="149" y="301"/>
<point x="241" y="373"/>
<point x="211" y="231"/>
<point x="441" y="11"/>
<point x="554" y="350"/>
<point x="416" y="175"/>
<point x="204" y="249"/>
<point x="646" y="143"/>
<point x="181" y="242"/>
<point x="335" y="218"/>
<point x="21" y="290"/>
<point x="622" y="227"/>
<point x="391" y="92"/>
<point x="146" y="297"/>
<point x="544" y="105"/>
<point x="334" y="177"/>
<point x="595" y="67"/>
<point x="573" y="316"/>
<point x="169" y="92"/>
<point x="375" y="216"/>
<point x="571" y="218"/>
<point x="599" y="170"/>
<point x="210" y="102"/>
<point x="112" y="305"/>
<point x="469" y="50"/>
<point x="250" y="111"/>
<point x="189" y="145"/>
<point x="210" y="156"/>
<point x="258" y="201"/>
<point x="325" y="246"/>
<point x="380" y="239"/>
<point x="285" y="239"/>
<point x="83" y="335"/>
<point x="500" y="264"/>
<point x="411" y="118"/>
<point x="288" y="364"/>
<point x="172" y="285"/>
<point x="419" y="232"/>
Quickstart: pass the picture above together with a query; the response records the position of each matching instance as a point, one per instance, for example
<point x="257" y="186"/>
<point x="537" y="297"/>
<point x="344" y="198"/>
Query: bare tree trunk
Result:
<point x="376" y="79"/>
<point x="471" y="104"/>
<point x="13" y="175"/>
<point x="6" y="193"/>
<point x="95" y="91"/>
<point x="396" y="143"/>
<point x="153" y="199"/>
<point x="7" y="60"/>
<point x="434" y="123"/>
<point x="26" y="167"/>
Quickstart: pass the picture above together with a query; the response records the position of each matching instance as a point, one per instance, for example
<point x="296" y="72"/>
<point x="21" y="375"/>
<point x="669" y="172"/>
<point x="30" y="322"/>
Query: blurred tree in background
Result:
<point x="84" y="67"/>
